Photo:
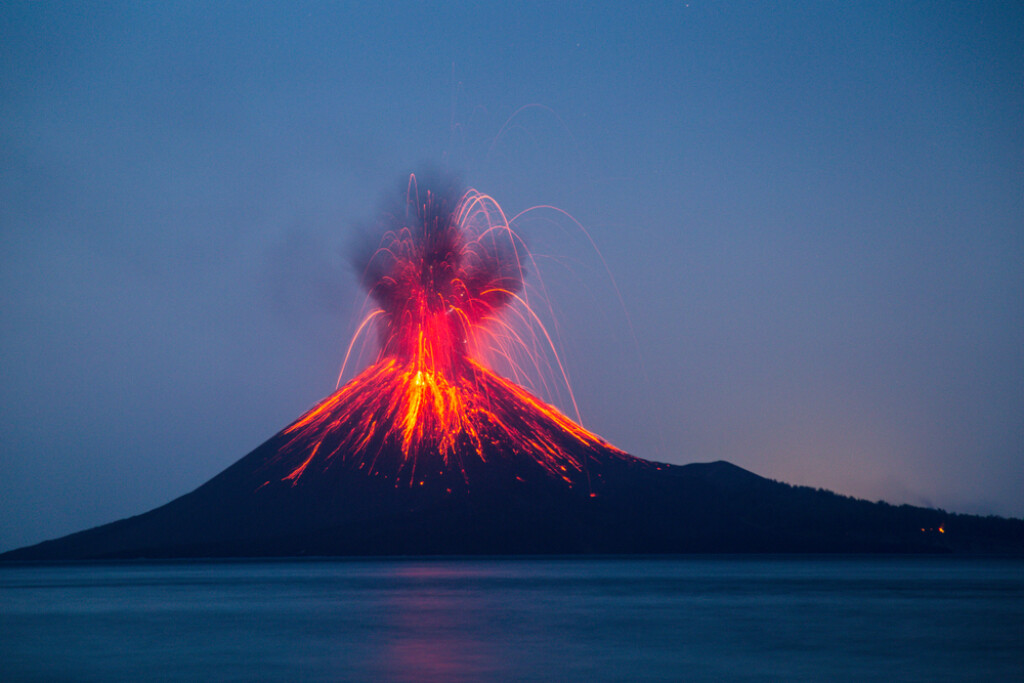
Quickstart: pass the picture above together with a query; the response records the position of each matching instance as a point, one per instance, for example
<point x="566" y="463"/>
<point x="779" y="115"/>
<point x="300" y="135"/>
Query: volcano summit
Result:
<point x="447" y="278"/>
<point x="437" y="447"/>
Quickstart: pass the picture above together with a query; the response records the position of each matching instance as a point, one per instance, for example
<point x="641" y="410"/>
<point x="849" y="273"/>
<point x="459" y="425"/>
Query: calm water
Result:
<point x="696" y="619"/>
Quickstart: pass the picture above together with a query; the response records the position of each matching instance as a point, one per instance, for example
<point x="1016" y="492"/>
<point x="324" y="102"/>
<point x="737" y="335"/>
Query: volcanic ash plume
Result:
<point x="446" y="284"/>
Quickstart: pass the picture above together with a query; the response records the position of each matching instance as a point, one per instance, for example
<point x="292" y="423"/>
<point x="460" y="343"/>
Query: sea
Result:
<point x="749" y="618"/>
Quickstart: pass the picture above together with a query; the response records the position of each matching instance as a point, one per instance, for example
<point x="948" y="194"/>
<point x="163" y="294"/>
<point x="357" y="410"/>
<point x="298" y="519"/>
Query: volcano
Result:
<point x="431" y="450"/>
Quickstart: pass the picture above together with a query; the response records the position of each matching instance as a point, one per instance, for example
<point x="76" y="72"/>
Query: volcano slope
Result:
<point x="508" y="502"/>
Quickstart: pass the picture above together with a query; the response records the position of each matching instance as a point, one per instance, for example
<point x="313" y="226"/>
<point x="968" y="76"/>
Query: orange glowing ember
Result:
<point x="447" y="281"/>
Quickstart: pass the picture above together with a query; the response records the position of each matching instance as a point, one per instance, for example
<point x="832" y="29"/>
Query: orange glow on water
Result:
<point x="447" y="281"/>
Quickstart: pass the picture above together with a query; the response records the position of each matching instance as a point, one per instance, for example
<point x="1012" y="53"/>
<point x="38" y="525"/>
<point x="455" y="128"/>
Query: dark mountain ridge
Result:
<point x="619" y="505"/>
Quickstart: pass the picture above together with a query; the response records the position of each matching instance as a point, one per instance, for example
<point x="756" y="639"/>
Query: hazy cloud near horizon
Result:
<point x="813" y="216"/>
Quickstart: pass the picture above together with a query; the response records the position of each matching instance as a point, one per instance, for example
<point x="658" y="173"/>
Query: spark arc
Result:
<point x="446" y="297"/>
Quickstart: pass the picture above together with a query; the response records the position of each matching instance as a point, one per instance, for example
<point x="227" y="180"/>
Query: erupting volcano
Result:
<point x="437" y="448"/>
<point x="447" y="279"/>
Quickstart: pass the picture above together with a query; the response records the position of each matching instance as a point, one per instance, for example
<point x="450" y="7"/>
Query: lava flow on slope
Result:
<point x="446" y="291"/>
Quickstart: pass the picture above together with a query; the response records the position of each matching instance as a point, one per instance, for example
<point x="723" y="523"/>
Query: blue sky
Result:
<point x="813" y="213"/>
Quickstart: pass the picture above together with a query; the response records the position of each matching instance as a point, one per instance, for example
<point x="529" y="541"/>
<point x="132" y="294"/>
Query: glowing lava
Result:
<point x="447" y="280"/>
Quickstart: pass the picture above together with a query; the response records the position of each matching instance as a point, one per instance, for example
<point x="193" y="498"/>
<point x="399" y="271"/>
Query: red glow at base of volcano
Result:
<point x="447" y="281"/>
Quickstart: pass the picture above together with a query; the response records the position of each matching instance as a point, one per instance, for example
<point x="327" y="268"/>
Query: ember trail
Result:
<point x="446" y="297"/>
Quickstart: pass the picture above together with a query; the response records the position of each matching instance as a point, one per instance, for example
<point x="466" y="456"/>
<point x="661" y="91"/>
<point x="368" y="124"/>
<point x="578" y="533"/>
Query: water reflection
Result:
<point x="909" y="619"/>
<point x="429" y="628"/>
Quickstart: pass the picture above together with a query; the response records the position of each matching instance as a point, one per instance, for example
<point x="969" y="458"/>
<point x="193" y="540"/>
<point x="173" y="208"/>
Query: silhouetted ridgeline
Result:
<point x="636" y="507"/>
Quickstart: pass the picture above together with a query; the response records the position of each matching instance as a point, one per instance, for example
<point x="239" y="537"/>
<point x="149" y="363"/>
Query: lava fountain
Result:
<point x="446" y="297"/>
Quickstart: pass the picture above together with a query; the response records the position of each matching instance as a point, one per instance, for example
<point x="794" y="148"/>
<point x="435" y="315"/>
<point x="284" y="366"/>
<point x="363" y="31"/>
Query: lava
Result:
<point x="447" y="286"/>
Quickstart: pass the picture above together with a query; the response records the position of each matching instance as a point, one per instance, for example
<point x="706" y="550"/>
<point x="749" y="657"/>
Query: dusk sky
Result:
<point x="814" y="214"/>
